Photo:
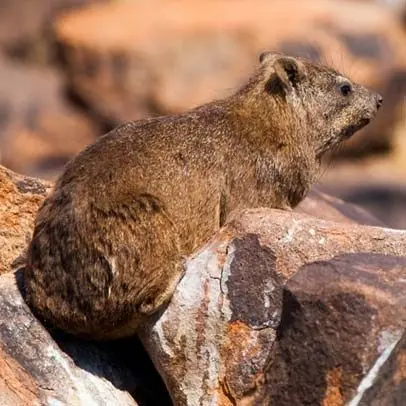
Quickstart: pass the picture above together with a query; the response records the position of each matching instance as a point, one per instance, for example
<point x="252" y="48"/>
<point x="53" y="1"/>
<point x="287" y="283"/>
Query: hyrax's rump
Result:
<point x="108" y="242"/>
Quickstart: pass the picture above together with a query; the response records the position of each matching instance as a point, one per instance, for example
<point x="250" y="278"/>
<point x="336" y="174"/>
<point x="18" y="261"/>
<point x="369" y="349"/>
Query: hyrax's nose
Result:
<point x="378" y="100"/>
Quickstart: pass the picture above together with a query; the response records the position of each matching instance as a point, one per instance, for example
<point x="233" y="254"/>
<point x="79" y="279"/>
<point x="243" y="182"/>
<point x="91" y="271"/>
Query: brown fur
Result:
<point x="108" y="242"/>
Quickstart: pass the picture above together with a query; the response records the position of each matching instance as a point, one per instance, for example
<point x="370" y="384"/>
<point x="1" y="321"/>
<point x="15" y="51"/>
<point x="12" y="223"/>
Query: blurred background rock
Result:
<point x="70" y="70"/>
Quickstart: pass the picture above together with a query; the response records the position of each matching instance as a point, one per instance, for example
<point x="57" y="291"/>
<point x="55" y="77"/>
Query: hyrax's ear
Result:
<point x="289" y="71"/>
<point x="262" y="56"/>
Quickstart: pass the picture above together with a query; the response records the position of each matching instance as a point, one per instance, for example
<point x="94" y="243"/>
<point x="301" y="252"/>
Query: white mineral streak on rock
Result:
<point x="387" y="338"/>
<point x="269" y="288"/>
<point x="369" y="379"/>
<point x="192" y="297"/>
<point x="79" y="395"/>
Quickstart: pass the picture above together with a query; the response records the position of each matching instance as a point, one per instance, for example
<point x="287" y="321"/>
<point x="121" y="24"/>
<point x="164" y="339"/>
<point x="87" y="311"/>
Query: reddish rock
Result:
<point x="130" y="59"/>
<point x="20" y="198"/>
<point x="39" y="130"/>
<point x="288" y="310"/>
<point x="339" y="316"/>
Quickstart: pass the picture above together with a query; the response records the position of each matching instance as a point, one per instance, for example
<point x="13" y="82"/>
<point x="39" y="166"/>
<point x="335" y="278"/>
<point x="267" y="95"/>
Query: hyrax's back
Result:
<point x="108" y="243"/>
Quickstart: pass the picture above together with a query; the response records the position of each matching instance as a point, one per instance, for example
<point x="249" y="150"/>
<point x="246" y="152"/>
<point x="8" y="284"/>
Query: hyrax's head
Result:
<point x="313" y="102"/>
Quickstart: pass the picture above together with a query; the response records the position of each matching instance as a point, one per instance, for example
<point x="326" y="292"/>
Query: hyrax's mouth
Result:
<point x="352" y="129"/>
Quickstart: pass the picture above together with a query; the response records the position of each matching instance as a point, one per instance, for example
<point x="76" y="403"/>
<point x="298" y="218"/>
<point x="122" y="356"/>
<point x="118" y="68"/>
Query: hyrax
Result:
<point x="108" y="242"/>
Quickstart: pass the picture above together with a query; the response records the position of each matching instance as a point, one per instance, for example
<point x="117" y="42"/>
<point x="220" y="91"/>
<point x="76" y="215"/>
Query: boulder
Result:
<point x="39" y="129"/>
<point x="385" y="200"/>
<point x="126" y="60"/>
<point x="287" y="309"/>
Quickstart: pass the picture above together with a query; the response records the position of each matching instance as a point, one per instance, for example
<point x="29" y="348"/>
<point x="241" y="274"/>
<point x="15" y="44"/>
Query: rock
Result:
<point x="288" y="309"/>
<point x="35" y="371"/>
<point x="326" y="207"/>
<point x="131" y="59"/>
<point x="339" y="317"/>
<point x="386" y="200"/>
<point x="20" y="198"/>
<point x="396" y="5"/>
<point x="39" y="129"/>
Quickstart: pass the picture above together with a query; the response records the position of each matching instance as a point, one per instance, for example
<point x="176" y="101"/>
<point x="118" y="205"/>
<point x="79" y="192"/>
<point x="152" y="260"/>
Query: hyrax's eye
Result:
<point x="345" y="89"/>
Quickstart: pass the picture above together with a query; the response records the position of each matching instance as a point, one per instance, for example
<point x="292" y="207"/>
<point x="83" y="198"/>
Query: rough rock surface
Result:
<point x="288" y="309"/>
<point x="20" y="197"/>
<point x="339" y="316"/>
<point x="130" y="59"/>
<point x="39" y="129"/>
